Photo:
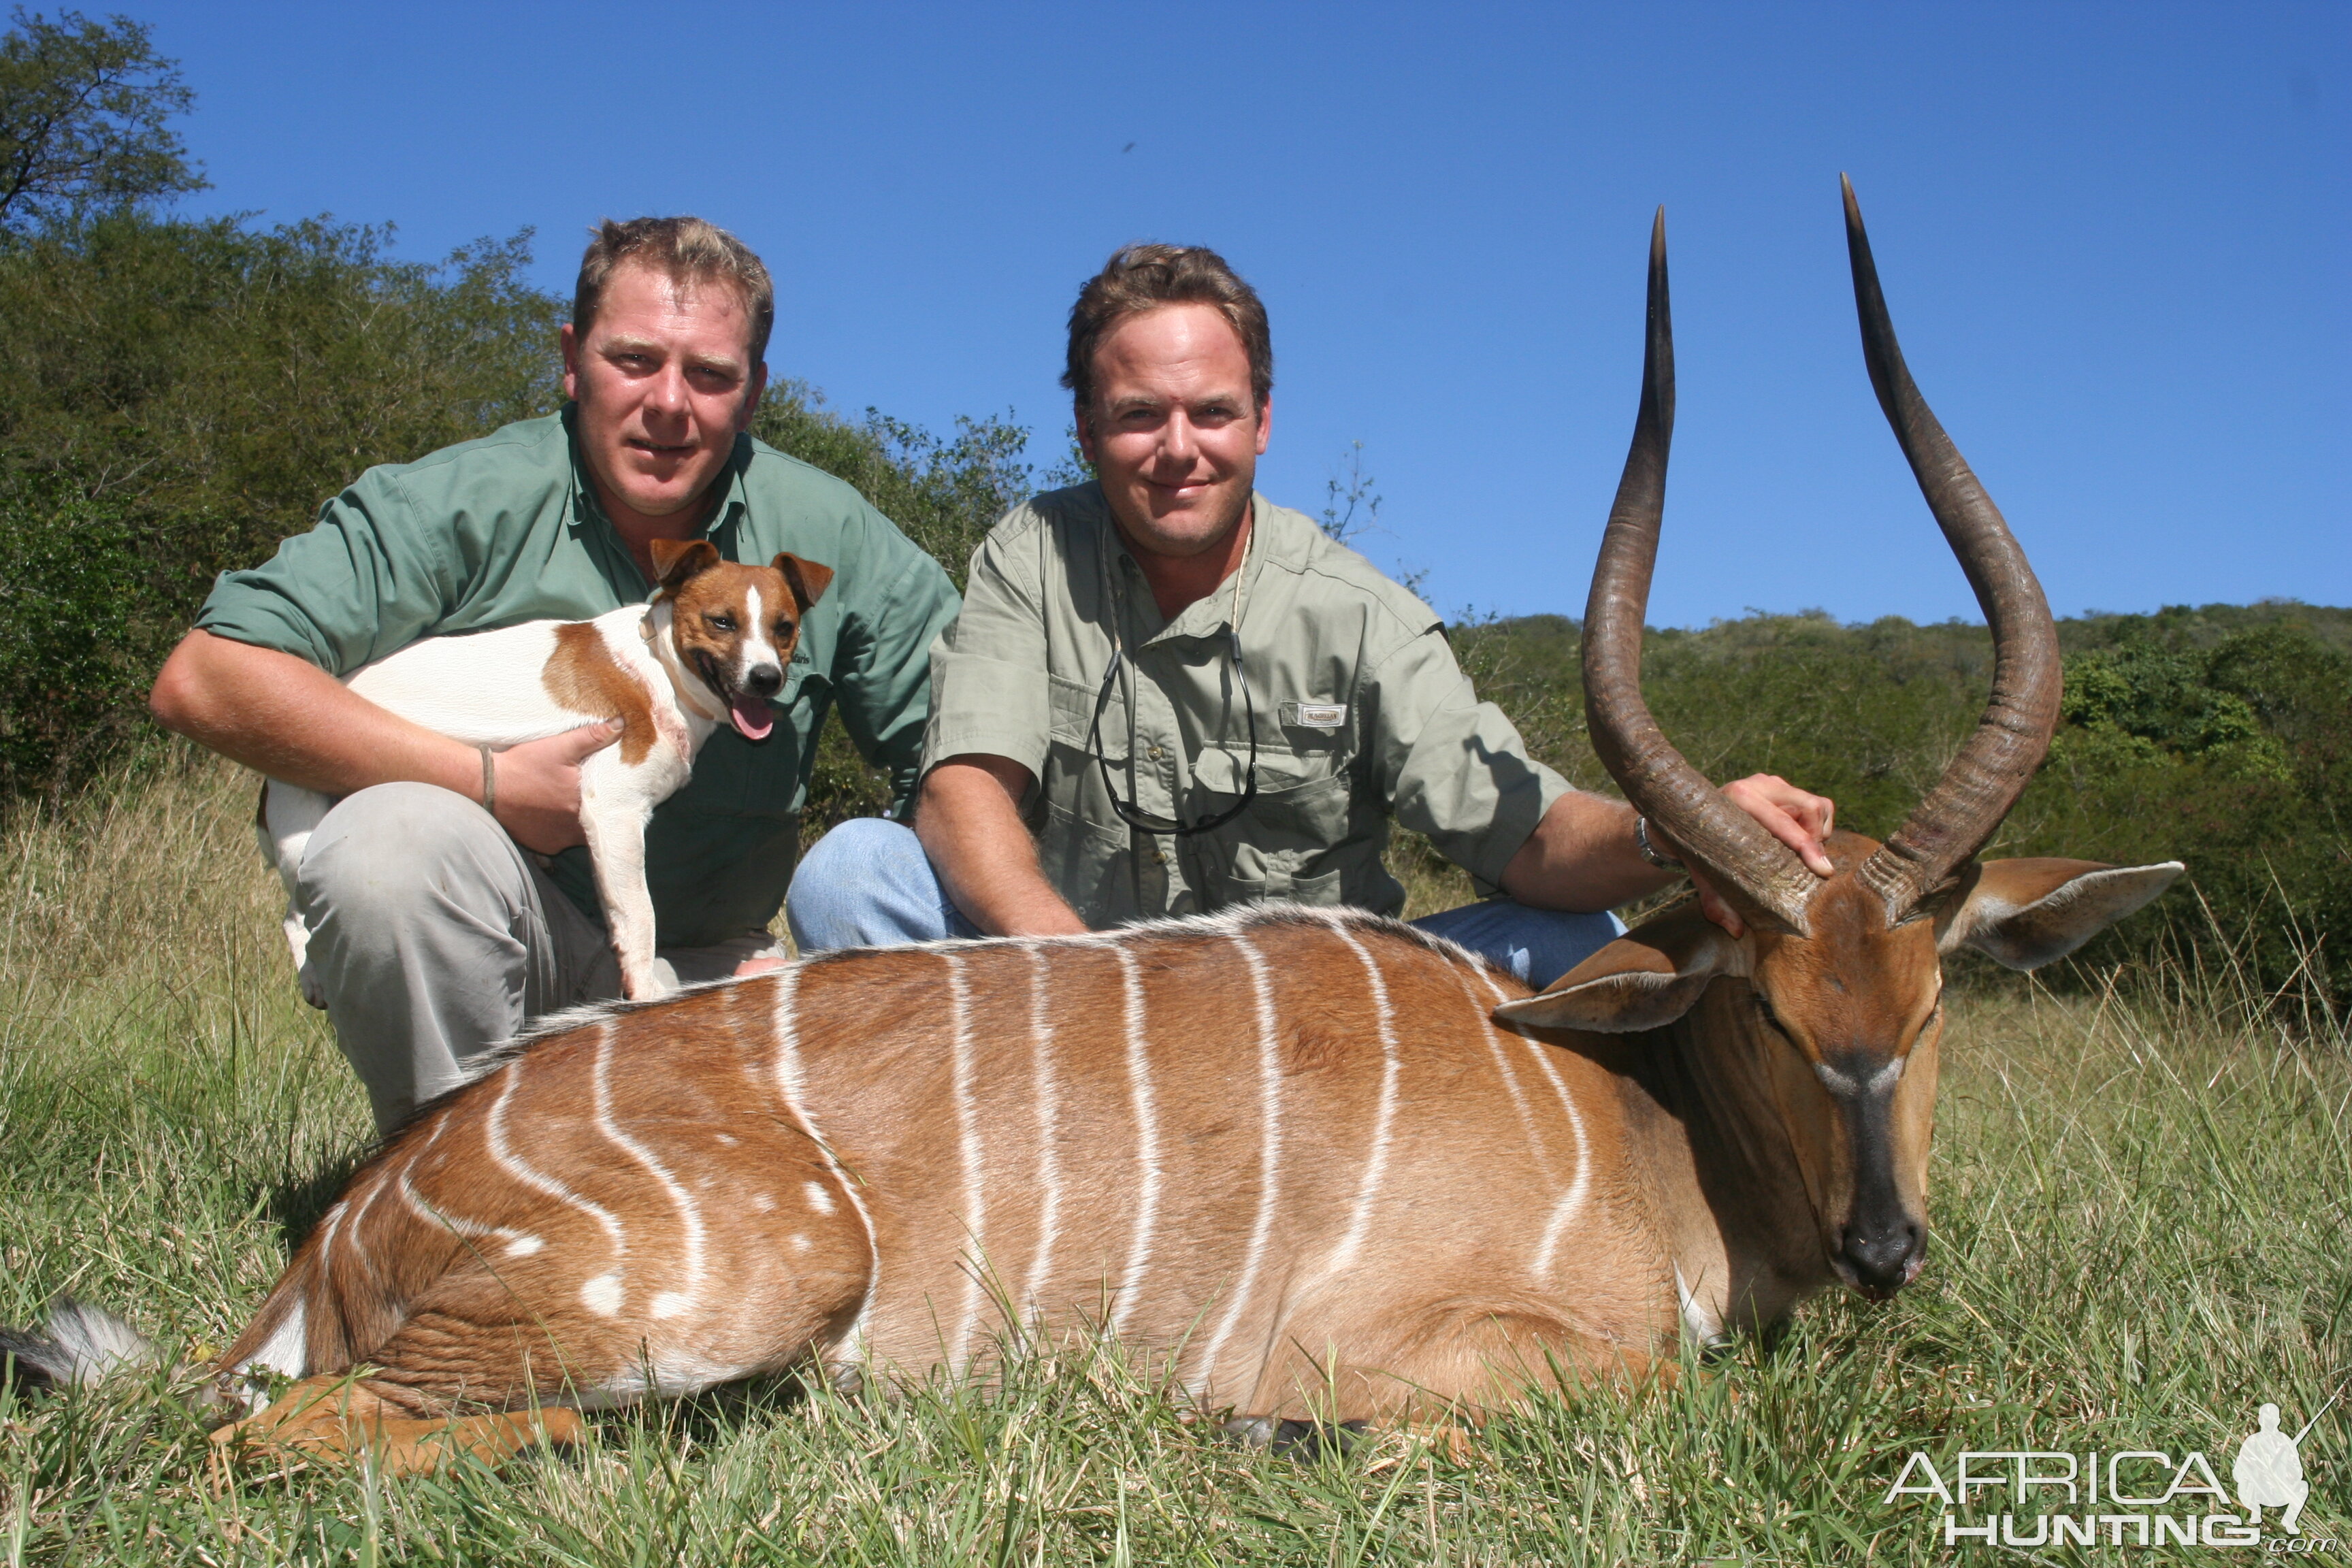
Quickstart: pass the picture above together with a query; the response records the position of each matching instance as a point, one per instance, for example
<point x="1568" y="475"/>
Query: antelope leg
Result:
<point x="342" y="1418"/>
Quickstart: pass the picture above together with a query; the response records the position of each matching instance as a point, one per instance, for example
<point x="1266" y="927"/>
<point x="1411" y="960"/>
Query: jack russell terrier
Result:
<point x="710" y="646"/>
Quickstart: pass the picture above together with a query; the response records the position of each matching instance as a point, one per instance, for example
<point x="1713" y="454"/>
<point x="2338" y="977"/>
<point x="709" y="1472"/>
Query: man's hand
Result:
<point x="539" y="786"/>
<point x="1798" y="819"/>
<point x="970" y="824"/>
<point x="1581" y="857"/>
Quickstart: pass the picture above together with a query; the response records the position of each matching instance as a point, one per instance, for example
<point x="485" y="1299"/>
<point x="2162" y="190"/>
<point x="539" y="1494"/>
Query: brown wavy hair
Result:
<point x="1140" y="277"/>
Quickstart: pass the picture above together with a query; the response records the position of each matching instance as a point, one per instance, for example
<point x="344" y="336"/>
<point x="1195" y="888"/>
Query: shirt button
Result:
<point x="1155" y="753"/>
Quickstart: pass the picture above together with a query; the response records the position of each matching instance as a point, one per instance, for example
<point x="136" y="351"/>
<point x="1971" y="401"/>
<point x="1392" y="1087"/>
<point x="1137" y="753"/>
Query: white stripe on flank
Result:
<point x="1269" y="1159"/>
<point x="788" y="1085"/>
<point x="494" y="1135"/>
<point x="518" y="1244"/>
<point x="668" y="1303"/>
<point x="1147" y="1134"/>
<point x="1565" y="1208"/>
<point x="1046" y="1088"/>
<point x="975" y="1191"/>
<point x="1384" y="1121"/>
<point x="1503" y="1070"/>
<point x="359" y="1215"/>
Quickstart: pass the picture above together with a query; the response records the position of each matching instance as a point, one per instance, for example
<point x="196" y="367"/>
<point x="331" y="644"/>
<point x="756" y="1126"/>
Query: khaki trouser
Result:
<point x="434" y="937"/>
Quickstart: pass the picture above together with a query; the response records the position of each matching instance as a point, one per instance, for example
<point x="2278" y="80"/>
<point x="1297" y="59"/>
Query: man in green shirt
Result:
<point x="436" y="931"/>
<point x="1166" y="695"/>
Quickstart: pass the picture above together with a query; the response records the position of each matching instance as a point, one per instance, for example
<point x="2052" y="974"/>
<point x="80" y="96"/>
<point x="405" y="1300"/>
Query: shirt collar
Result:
<point x="1203" y="617"/>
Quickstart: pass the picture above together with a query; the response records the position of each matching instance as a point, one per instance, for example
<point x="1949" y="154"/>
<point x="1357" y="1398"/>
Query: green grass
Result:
<point x="2140" y="1197"/>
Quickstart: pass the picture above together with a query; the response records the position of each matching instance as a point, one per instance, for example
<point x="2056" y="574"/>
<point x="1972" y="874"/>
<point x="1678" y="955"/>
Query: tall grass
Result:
<point x="2140" y="1196"/>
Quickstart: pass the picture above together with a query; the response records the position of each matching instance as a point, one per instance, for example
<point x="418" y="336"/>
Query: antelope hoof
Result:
<point x="1306" y="1441"/>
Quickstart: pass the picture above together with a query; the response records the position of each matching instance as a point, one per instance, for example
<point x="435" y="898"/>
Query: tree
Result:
<point x="83" y="107"/>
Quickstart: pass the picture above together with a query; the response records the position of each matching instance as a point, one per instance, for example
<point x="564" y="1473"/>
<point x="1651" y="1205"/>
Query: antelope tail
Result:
<point x="79" y="1345"/>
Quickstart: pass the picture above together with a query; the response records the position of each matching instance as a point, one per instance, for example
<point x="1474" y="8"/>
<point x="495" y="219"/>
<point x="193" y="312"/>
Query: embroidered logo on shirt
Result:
<point x="1314" y="715"/>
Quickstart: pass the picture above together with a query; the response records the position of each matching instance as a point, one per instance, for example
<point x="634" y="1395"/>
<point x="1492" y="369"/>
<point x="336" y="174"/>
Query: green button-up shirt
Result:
<point x="506" y="528"/>
<point x="1363" y="716"/>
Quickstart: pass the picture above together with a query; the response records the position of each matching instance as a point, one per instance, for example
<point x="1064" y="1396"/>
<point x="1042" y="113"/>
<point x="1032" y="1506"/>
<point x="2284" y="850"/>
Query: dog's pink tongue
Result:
<point x="753" y="717"/>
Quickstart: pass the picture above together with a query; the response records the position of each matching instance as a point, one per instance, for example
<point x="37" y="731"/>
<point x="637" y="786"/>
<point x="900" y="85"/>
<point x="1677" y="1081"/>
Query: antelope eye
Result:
<point x="720" y="623"/>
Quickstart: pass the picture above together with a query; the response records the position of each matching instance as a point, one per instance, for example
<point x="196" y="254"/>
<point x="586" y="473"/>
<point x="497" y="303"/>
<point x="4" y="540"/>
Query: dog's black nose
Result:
<point x="763" y="679"/>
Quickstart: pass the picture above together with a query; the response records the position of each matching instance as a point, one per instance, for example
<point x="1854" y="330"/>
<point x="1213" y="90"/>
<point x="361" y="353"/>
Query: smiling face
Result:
<point x="665" y="382"/>
<point x="731" y="628"/>
<point x="1172" y="431"/>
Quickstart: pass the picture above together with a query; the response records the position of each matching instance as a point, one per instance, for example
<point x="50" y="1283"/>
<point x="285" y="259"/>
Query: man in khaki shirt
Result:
<point x="1166" y="695"/>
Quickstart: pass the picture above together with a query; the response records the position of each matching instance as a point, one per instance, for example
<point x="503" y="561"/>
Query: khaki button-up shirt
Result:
<point x="1362" y="716"/>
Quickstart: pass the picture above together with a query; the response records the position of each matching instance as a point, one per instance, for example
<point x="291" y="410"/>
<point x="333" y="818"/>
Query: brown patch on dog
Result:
<point x="584" y="678"/>
<point x="675" y="560"/>
<point x="808" y="580"/>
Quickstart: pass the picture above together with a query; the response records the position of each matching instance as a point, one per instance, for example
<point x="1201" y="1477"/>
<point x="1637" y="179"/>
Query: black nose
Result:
<point x="1883" y="1257"/>
<point x="763" y="681"/>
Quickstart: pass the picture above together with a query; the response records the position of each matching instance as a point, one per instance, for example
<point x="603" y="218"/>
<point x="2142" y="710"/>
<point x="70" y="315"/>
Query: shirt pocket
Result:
<point x="1322" y="890"/>
<point x="1070" y="717"/>
<point x="1281" y="846"/>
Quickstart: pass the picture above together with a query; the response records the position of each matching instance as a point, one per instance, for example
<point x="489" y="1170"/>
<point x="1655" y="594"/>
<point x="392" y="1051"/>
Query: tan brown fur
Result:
<point x="1165" y="1141"/>
<point x="1290" y="1157"/>
<point x="583" y="678"/>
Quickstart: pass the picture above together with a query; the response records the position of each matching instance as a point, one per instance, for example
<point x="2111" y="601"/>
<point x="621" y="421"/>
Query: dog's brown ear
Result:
<point x="678" y="560"/>
<point x="808" y="579"/>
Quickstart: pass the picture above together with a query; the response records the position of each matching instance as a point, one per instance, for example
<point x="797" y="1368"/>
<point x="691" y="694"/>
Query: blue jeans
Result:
<point x="868" y="884"/>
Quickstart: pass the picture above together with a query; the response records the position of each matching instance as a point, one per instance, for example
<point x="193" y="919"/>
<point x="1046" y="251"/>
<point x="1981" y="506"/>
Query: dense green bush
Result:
<point x="177" y="397"/>
<point x="71" y="673"/>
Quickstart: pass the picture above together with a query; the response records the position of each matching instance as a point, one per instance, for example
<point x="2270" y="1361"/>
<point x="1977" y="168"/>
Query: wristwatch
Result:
<point x="1649" y="851"/>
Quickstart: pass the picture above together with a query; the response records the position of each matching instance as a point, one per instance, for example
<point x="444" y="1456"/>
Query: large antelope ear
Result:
<point x="2027" y="913"/>
<point x="1644" y="980"/>
<point x="808" y="580"/>
<point x="678" y="560"/>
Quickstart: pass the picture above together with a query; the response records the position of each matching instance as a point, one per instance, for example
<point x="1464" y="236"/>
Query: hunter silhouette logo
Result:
<point x="2269" y="1471"/>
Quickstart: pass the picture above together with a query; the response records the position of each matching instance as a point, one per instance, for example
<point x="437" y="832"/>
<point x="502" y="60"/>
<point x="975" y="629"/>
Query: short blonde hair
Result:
<point x="684" y="249"/>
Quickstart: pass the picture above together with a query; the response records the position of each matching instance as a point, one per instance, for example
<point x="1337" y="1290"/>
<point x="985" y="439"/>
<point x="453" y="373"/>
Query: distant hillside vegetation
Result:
<point x="2220" y="735"/>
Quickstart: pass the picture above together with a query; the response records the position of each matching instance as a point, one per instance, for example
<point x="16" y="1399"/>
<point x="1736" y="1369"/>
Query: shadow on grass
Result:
<point x="297" y="1200"/>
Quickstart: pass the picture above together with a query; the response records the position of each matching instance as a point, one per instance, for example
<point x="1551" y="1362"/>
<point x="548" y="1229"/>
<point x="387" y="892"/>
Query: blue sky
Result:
<point x="2113" y="238"/>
